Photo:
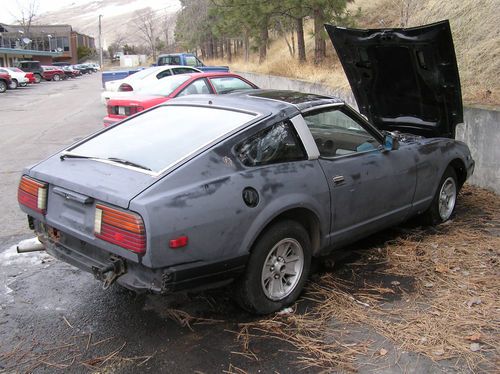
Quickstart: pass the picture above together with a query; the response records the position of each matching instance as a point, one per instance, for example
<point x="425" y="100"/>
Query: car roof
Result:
<point x="260" y="100"/>
<point x="212" y="74"/>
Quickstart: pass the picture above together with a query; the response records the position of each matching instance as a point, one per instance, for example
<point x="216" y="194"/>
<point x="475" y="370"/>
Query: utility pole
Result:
<point x="100" y="41"/>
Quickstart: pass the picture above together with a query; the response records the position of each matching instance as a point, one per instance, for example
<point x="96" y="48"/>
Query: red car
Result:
<point x="5" y="82"/>
<point x="52" y="73"/>
<point x="30" y="76"/>
<point x="170" y="87"/>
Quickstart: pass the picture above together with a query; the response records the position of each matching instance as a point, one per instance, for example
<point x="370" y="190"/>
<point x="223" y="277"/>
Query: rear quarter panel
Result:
<point x="203" y="200"/>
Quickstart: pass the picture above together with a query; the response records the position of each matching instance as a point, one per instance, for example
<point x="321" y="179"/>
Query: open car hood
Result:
<point x="403" y="79"/>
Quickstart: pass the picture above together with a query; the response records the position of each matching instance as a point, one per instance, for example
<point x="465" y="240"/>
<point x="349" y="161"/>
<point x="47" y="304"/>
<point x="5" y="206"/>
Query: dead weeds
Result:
<point x="450" y="310"/>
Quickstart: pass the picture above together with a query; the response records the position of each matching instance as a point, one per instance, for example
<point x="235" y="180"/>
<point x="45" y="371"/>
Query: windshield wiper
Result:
<point x="126" y="162"/>
<point x="114" y="159"/>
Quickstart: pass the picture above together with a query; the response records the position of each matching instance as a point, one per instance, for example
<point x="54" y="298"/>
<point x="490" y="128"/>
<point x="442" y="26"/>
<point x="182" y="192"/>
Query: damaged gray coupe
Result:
<point x="248" y="187"/>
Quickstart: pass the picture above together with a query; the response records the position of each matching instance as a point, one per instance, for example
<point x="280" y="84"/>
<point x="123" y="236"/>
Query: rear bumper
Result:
<point x="108" y="121"/>
<point x="137" y="277"/>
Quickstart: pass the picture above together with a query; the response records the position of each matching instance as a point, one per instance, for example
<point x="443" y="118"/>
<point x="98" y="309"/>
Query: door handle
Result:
<point x="338" y="179"/>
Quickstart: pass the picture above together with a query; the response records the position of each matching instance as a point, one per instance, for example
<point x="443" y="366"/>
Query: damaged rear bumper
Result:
<point x="137" y="277"/>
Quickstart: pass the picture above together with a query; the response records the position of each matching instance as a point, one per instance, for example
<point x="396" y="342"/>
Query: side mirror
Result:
<point x="390" y="143"/>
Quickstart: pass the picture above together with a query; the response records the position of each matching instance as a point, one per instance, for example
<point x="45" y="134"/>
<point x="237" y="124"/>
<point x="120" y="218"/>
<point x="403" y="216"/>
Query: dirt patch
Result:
<point x="430" y="291"/>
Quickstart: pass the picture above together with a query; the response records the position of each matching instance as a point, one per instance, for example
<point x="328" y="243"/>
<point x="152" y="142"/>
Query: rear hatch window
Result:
<point x="164" y="136"/>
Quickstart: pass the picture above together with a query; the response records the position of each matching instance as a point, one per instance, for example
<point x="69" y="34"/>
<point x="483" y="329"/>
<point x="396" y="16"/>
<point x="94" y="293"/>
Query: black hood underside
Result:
<point x="403" y="79"/>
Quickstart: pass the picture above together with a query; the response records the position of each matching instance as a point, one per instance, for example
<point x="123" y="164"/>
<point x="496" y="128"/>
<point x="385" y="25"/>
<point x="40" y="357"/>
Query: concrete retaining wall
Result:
<point x="481" y="128"/>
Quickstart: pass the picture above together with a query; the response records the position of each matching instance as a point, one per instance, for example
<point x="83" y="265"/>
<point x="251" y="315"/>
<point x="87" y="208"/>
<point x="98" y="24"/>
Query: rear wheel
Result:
<point x="3" y="86"/>
<point x="13" y="85"/>
<point x="56" y="77"/>
<point x="277" y="270"/>
<point x="444" y="201"/>
<point x="38" y="78"/>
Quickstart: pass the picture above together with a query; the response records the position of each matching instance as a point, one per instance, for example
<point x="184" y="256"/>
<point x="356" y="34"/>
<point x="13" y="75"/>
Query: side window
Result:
<point x="337" y="134"/>
<point x="192" y="61"/>
<point x="183" y="70"/>
<point x="228" y="84"/>
<point x="278" y="143"/>
<point x="163" y="74"/>
<point x="196" y="88"/>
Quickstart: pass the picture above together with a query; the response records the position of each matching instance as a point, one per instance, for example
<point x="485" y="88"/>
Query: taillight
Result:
<point x="125" y="229"/>
<point x="125" y="87"/>
<point x="32" y="194"/>
<point x="133" y="110"/>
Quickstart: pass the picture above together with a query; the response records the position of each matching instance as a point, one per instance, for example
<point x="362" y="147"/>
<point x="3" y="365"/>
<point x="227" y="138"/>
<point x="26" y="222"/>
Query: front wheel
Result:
<point x="444" y="201"/>
<point x="56" y="78"/>
<point x="277" y="270"/>
<point x="38" y="78"/>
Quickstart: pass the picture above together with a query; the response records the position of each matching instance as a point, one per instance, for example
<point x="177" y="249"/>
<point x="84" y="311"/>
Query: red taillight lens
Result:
<point x="125" y="87"/>
<point x="32" y="194"/>
<point x="125" y="229"/>
<point x="134" y="110"/>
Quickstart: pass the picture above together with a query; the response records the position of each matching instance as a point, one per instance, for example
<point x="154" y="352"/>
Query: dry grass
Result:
<point x="475" y="32"/>
<point x="451" y="310"/>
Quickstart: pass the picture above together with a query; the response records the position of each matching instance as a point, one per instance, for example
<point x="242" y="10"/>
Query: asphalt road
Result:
<point x="53" y="315"/>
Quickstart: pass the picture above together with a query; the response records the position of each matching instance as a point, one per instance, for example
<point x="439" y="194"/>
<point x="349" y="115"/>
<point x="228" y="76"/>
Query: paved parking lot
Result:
<point x="45" y="303"/>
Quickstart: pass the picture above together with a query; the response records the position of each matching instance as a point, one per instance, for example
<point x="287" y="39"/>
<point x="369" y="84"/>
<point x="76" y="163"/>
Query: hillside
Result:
<point x="117" y="21"/>
<point x="475" y="31"/>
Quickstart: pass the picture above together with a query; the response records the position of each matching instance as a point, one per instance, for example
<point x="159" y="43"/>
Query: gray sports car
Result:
<point x="248" y="187"/>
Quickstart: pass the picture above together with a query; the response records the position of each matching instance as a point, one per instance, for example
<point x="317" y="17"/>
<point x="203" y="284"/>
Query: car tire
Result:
<point x="3" y="86"/>
<point x="270" y="282"/>
<point x="56" y="78"/>
<point x="38" y="78"/>
<point x="23" y="84"/>
<point x="13" y="85"/>
<point x="444" y="201"/>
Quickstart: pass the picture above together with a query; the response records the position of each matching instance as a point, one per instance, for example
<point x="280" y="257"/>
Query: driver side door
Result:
<point x="369" y="188"/>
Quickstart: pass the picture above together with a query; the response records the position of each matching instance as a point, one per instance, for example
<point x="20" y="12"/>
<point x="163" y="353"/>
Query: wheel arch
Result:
<point x="459" y="167"/>
<point x="305" y="217"/>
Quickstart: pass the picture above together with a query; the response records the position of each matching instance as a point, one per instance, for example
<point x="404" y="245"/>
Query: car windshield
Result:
<point x="159" y="138"/>
<point x="165" y="86"/>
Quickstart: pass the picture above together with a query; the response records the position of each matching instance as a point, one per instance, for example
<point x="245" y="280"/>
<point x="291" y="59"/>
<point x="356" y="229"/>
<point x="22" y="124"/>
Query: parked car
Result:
<point x="70" y="72"/>
<point x="188" y="59"/>
<point x="61" y="64"/>
<point x="5" y="82"/>
<point x="204" y="190"/>
<point x="18" y="77"/>
<point x="53" y="73"/>
<point x="113" y="75"/>
<point x="143" y="78"/>
<point x="169" y="88"/>
<point x="96" y="67"/>
<point x="84" y="69"/>
<point x="33" y="67"/>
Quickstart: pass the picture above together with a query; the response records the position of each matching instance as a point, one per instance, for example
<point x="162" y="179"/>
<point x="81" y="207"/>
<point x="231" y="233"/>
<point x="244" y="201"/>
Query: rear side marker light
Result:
<point x="125" y="229"/>
<point x="32" y="194"/>
<point x="179" y="242"/>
